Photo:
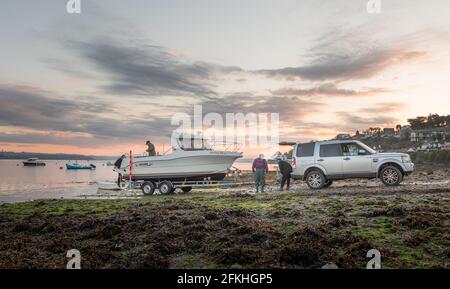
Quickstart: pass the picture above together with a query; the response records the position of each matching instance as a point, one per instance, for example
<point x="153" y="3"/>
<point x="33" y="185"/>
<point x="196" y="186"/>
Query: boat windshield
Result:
<point x="193" y="144"/>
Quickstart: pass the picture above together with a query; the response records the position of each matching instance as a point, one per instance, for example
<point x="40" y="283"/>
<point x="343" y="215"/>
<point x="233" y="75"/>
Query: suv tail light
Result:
<point x="294" y="162"/>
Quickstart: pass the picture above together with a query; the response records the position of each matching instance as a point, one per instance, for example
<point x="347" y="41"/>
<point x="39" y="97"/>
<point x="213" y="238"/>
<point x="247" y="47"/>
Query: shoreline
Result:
<point x="231" y="230"/>
<point x="236" y="228"/>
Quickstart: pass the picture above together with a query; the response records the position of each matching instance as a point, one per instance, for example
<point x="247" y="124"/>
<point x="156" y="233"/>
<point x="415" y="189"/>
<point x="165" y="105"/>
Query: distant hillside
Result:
<point x="44" y="156"/>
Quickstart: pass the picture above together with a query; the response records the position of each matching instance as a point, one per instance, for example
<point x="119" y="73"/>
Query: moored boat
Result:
<point x="33" y="162"/>
<point x="80" y="167"/>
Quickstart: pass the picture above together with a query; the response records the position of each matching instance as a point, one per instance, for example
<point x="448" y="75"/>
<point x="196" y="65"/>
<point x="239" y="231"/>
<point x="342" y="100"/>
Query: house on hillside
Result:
<point x="429" y="135"/>
<point x="405" y="131"/>
<point x="389" y="132"/>
<point x="430" y="146"/>
<point x="343" y="136"/>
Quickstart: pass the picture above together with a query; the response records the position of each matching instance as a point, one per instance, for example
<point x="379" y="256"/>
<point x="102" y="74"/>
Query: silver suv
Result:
<point x="319" y="163"/>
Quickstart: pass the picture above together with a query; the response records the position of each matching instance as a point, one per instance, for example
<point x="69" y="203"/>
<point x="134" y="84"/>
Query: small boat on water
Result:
<point x="80" y="167"/>
<point x="108" y="186"/>
<point x="33" y="162"/>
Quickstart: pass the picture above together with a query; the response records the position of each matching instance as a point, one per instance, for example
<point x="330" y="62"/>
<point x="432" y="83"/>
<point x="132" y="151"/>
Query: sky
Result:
<point x="104" y="81"/>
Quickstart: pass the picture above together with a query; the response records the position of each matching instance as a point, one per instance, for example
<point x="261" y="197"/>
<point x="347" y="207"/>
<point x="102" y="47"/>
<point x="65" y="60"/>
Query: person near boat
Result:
<point x="150" y="149"/>
<point x="260" y="168"/>
<point x="285" y="170"/>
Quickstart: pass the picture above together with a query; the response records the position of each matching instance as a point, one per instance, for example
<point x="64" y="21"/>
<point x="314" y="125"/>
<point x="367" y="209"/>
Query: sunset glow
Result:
<point x="105" y="81"/>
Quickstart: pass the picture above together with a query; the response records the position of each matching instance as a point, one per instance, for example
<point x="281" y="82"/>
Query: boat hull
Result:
<point x="78" y="167"/>
<point x="179" y="166"/>
<point x="32" y="164"/>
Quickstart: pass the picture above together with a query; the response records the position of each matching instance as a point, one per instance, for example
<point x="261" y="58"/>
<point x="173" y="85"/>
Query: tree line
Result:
<point x="430" y="121"/>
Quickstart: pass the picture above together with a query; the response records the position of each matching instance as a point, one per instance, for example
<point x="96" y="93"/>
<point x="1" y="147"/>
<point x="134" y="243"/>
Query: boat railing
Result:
<point x="225" y="146"/>
<point x="209" y="145"/>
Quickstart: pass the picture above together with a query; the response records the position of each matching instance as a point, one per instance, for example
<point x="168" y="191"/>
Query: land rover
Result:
<point x="319" y="163"/>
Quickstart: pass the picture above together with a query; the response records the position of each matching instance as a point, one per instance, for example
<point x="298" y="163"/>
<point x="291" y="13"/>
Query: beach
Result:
<point x="236" y="228"/>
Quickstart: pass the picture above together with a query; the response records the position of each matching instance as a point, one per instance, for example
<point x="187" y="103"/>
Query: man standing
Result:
<point x="260" y="167"/>
<point x="150" y="149"/>
<point x="285" y="170"/>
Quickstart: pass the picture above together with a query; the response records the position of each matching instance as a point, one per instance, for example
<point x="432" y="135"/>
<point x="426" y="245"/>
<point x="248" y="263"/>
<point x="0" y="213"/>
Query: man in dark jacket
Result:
<point x="150" y="149"/>
<point x="260" y="167"/>
<point x="285" y="170"/>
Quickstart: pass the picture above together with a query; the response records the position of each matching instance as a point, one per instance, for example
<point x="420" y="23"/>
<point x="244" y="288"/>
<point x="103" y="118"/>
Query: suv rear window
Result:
<point x="305" y="149"/>
<point x="330" y="150"/>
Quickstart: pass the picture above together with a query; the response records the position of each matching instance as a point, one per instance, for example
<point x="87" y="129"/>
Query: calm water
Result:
<point x="19" y="183"/>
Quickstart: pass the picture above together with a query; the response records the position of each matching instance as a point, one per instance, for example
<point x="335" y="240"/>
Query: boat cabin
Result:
<point x="192" y="143"/>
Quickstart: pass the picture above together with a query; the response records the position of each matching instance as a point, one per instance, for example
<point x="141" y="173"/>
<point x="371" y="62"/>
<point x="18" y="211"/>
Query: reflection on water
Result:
<point x="19" y="183"/>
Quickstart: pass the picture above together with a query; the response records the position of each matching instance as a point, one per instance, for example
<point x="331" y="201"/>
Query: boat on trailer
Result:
<point x="192" y="159"/>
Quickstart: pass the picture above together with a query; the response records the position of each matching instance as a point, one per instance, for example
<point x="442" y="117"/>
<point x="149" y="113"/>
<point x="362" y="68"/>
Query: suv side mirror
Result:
<point x="362" y="152"/>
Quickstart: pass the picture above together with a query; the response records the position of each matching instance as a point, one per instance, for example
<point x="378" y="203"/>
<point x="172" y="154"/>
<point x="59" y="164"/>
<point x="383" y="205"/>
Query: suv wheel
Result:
<point x="391" y="176"/>
<point x="315" y="180"/>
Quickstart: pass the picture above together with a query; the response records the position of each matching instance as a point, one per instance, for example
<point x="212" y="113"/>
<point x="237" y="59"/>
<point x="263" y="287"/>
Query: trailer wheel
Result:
<point x="165" y="187"/>
<point x="148" y="188"/>
<point x="124" y="184"/>
<point x="186" y="189"/>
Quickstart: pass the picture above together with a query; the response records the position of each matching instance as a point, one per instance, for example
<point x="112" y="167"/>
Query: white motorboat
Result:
<point x="33" y="162"/>
<point x="191" y="159"/>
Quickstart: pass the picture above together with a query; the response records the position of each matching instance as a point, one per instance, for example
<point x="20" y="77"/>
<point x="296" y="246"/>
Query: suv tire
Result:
<point x="391" y="176"/>
<point x="315" y="180"/>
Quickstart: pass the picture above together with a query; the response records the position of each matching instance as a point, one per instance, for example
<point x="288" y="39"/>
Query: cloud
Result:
<point x="328" y="90"/>
<point x="288" y="107"/>
<point x="53" y="117"/>
<point x="345" y="66"/>
<point x="29" y="108"/>
<point x="352" y="121"/>
<point x="383" y="108"/>
<point x="138" y="68"/>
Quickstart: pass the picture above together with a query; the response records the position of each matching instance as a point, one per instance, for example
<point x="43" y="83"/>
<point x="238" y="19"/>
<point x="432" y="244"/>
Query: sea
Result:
<point x="19" y="183"/>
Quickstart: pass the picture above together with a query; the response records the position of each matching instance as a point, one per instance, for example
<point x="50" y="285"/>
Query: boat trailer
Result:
<point x="166" y="187"/>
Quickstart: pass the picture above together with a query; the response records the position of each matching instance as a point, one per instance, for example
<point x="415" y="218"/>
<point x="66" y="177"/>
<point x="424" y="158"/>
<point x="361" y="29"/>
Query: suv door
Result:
<point x="330" y="157"/>
<point x="356" y="160"/>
